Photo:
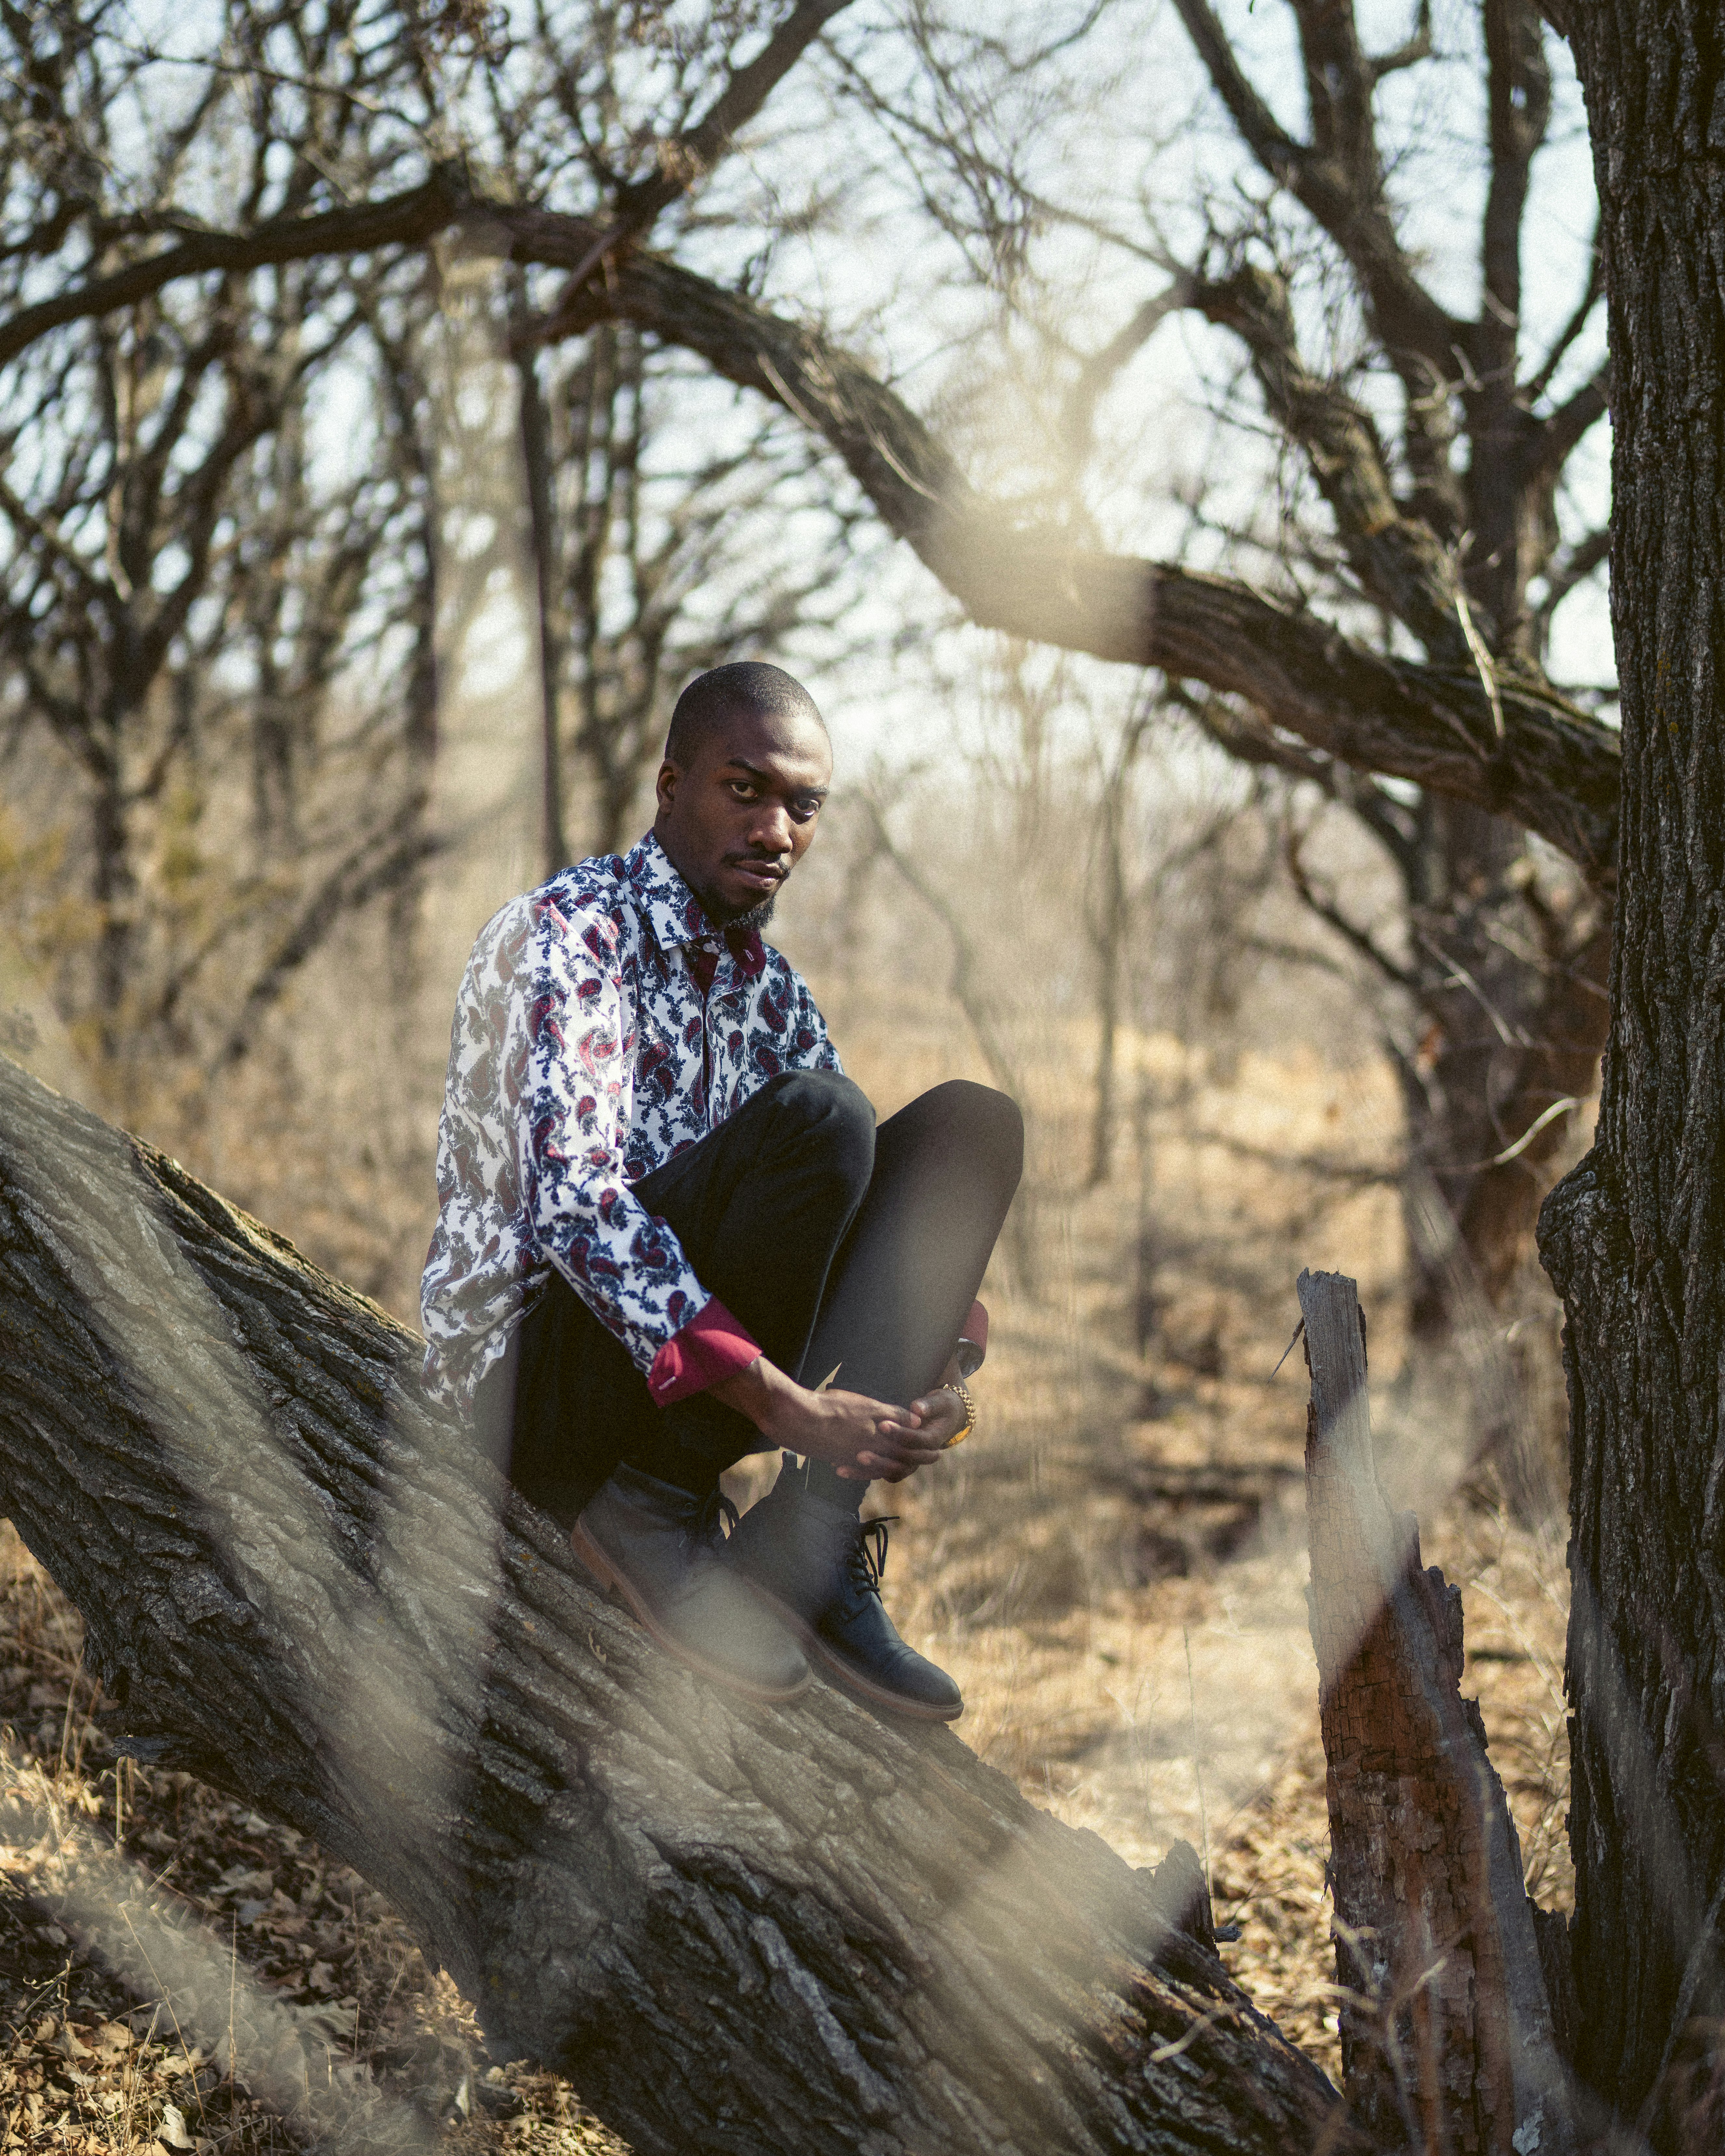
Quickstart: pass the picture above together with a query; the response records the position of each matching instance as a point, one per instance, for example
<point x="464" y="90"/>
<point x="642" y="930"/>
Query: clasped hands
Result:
<point x="865" y="1440"/>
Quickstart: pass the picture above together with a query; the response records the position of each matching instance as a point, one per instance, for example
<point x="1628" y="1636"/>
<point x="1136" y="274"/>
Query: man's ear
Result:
<point x="665" y="785"/>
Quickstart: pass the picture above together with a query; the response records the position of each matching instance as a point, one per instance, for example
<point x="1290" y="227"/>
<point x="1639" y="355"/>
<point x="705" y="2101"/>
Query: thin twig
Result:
<point x="1203" y="1816"/>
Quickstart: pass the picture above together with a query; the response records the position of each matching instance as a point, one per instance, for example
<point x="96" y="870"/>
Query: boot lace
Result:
<point x="716" y="1519"/>
<point x="867" y="1560"/>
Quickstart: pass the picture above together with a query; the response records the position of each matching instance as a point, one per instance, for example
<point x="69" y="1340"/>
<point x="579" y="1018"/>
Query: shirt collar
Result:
<point x="677" y="917"/>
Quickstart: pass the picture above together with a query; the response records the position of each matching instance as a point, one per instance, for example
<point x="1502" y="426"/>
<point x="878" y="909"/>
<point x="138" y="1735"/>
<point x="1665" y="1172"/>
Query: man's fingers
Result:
<point x="904" y="1470"/>
<point x="903" y="1437"/>
<point x="881" y="1411"/>
<point x="882" y="1460"/>
<point x="890" y="1441"/>
<point x="894" y="1463"/>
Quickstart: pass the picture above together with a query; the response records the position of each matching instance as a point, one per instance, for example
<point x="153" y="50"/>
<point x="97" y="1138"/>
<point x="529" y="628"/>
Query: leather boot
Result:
<point x="818" y="1566"/>
<point x="658" y="1549"/>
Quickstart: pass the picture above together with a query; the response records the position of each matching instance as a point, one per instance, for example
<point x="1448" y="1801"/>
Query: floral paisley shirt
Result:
<point x="584" y="1053"/>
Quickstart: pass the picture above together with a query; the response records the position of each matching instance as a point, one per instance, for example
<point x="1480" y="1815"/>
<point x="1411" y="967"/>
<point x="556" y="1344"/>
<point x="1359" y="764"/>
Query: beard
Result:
<point x="756" y="919"/>
<point x="752" y="922"/>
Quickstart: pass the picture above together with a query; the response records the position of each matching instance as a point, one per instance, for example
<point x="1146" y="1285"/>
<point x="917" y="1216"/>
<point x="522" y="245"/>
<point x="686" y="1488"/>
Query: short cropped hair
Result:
<point x="747" y="684"/>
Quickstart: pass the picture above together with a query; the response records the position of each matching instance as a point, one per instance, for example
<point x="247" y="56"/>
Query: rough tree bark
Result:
<point x="1447" y="2030"/>
<point x="1635" y="1238"/>
<point x="732" y="1927"/>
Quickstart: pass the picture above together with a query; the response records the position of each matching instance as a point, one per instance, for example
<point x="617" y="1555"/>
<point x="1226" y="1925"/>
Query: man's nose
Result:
<point x="770" y="828"/>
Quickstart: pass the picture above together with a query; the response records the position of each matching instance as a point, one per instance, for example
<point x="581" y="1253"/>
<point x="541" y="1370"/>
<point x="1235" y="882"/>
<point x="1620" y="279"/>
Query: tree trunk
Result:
<point x="734" y="1927"/>
<point x="1447" y="2031"/>
<point x="1509" y="993"/>
<point x="113" y="895"/>
<point x="535" y="426"/>
<point x="423" y="689"/>
<point x="1496" y="1014"/>
<point x="1635" y="1238"/>
<point x="1511" y="1000"/>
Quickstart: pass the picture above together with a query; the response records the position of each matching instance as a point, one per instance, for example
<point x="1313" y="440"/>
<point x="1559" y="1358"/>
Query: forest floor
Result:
<point x="1113" y="1567"/>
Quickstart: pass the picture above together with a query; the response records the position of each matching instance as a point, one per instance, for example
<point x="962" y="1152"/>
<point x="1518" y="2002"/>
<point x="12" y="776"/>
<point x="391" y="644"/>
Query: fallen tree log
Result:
<point x="732" y="1927"/>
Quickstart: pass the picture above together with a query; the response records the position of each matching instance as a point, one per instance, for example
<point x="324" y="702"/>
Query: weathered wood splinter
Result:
<point x="1447" y="2030"/>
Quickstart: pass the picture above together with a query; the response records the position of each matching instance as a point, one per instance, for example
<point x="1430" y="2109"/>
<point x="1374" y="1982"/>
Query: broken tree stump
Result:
<point x="734" y="1927"/>
<point x="1447" y="2038"/>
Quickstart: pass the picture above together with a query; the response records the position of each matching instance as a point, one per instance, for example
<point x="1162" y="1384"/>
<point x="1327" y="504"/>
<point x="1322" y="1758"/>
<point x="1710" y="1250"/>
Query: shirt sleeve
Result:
<point x="711" y="1347"/>
<point x="575" y="1036"/>
<point x="812" y="1043"/>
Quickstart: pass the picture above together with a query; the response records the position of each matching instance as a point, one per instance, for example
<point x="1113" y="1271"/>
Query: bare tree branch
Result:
<point x="1099" y="371"/>
<point x="1327" y="910"/>
<point x="1518" y="112"/>
<point x="1572" y="418"/>
<point x="1003" y="1066"/>
<point x="1418" y="47"/>
<point x="380" y="862"/>
<point x="1555" y="771"/>
<point x="1398" y="558"/>
<point x="685" y="162"/>
<point x="1554" y="768"/>
<point x="1576" y="566"/>
<point x="1592" y="293"/>
<point x="400" y="220"/>
<point x="1335" y="178"/>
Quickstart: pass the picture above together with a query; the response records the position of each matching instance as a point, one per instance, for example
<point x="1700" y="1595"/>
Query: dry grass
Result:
<point x="1113" y="1567"/>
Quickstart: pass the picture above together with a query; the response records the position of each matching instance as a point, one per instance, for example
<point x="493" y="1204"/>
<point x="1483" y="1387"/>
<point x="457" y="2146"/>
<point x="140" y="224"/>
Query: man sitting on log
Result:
<point x="668" y="1222"/>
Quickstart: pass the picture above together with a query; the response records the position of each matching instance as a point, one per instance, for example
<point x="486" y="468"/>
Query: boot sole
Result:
<point x="620" y="1584"/>
<point x="840" y="1672"/>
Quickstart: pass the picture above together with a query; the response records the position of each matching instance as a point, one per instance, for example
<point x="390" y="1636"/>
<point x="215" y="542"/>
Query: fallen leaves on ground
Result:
<point x="87" y="2067"/>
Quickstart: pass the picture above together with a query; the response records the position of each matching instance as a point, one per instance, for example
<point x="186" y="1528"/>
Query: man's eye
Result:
<point x="741" y="789"/>
<point x="806" y="811"/>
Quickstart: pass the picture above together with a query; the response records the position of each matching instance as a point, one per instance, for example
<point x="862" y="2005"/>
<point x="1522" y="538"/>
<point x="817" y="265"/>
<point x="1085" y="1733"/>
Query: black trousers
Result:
<point x="834" y="1243"/>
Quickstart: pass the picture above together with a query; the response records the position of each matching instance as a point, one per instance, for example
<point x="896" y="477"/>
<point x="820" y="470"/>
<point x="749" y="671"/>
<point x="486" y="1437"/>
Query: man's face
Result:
<point x="736" y="820"/>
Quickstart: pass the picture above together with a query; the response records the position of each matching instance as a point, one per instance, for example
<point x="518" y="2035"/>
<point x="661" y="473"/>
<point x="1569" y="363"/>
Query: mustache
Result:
<point x="752" y="919"/>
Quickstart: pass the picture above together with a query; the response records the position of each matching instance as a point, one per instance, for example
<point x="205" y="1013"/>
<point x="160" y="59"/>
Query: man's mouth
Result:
<point x="759" y="876"/>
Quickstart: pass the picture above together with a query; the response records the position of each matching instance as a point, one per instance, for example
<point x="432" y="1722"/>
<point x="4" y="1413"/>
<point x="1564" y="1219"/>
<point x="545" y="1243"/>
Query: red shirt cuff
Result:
<point x="711" y="1347"/>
